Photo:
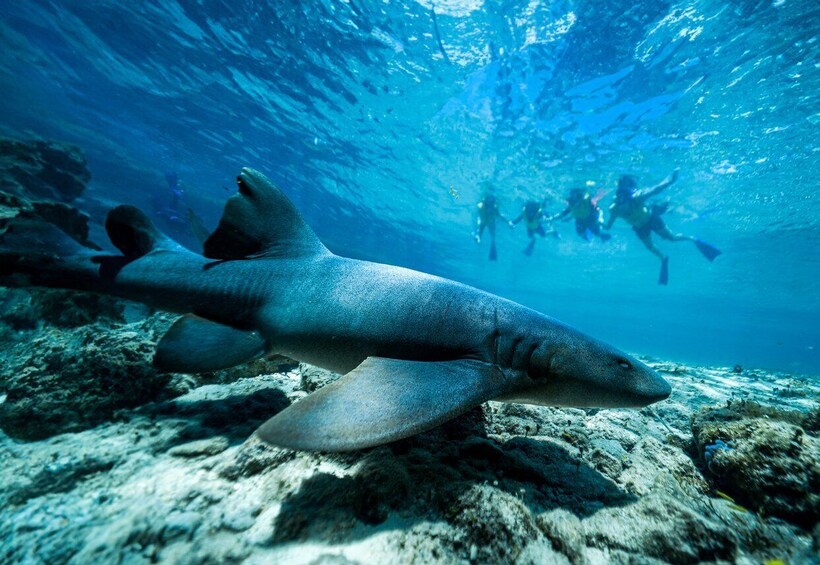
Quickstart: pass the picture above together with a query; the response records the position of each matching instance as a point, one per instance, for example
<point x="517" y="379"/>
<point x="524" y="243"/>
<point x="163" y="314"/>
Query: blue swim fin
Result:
<point x="709" y="251"/>
<point x="664" y="276"/>
<point x="528" y="250"/>
<point x="493" y="254"/>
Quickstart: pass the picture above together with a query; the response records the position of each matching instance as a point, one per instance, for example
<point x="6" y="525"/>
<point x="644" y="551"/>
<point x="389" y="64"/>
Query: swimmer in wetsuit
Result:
<point x="532" y="214"/>
<point x="631" y="205"/>
<point x="487" y="213"/>
<point x="589" y="218"/>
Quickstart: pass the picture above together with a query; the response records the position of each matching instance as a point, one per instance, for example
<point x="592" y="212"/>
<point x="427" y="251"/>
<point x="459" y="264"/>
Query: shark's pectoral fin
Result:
<point x="196" y="345"/>
<point x="383" y="400"/>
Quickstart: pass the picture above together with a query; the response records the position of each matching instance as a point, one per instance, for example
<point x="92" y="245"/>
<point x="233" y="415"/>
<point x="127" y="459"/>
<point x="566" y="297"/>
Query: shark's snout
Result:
<point x="654" y="389"/>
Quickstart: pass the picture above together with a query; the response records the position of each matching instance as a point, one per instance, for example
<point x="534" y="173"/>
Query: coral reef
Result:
<point x="43" y="170"/>
<point x="503" y="483"/>
<point x="37" y="180"/>
<point x="18" y="214"/>
<point x="770" y="462"/>
<point x="69" y="380"/>
<point x="27" y="309"/>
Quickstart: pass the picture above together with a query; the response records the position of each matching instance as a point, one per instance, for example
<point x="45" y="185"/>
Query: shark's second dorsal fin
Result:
<point x="260" y="221"/>
<point x="133" y="233"/>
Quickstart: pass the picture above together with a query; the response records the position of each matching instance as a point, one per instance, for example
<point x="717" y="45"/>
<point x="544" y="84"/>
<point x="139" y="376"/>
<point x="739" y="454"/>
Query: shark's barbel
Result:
<point x="416" y="350"/>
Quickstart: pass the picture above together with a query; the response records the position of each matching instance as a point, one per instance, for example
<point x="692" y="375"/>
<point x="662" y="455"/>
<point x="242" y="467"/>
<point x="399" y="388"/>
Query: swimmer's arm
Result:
<point x="658" y="188"/>
<point x="559" y="215"/>
<point x="612" y="217"/>
<point x="515" y="221"/>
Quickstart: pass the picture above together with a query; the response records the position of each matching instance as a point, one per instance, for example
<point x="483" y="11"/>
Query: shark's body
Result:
<point x="417" y="349"/>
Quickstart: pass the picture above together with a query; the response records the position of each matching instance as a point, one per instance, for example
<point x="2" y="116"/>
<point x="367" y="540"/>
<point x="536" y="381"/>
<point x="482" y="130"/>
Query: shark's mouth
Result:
<point x="242" y="185"/>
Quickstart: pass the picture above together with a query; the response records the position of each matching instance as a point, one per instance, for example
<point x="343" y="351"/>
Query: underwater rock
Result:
<point x="185" y="480"/>
<point x="659" y="526"/>
<point x="253" y="458"/>
<point x="19" y="214"/>
<point x="69" y="380"/>
<point x="199" y="448"/>
<point x="497" y="524"/>
<point x="766" y="458"/>
<point x="314" y="378"/>
<point x="267" y="365"/>
<point x="42" y="170"/>
<point x="26" y="309"/>
<point x="61" y="475"/>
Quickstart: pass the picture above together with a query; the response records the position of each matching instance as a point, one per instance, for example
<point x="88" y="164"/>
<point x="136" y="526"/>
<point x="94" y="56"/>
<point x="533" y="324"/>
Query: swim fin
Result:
<point x="709" y="251"/>
<point x="529" y="249"/>
<point x="664" y="276"/>
<point x="493" y="254"/>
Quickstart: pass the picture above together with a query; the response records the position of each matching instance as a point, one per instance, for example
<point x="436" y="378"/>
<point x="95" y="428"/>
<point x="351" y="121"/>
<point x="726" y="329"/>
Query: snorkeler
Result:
<point x="487" y="213"/>
<point x="630" y="204"/>
<point x="532" y="214"/>
<point x="588" y="216"/>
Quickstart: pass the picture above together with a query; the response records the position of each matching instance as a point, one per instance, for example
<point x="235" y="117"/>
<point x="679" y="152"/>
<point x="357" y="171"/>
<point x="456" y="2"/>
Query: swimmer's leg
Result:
<point x="646" y="239"/>
<point x="531" y="245"/>
<point x="581" y="229"/>
<point x="595" y="229"/>
<point x="708" y="251"/>
<point x="664" y="232"/>
<point x="493" y="253"/>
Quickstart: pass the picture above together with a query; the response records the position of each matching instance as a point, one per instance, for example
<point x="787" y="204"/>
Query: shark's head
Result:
<point x="576" y="370"/>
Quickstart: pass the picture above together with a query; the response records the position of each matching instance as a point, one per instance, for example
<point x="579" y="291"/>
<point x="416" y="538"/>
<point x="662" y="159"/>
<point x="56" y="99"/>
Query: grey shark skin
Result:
<point x="416" y="350"/>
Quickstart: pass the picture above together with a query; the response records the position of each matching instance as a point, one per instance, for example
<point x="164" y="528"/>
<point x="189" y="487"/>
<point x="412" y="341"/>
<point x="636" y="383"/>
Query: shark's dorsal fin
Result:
<point x="133" y="233"/>
<point x="260" y="221"/>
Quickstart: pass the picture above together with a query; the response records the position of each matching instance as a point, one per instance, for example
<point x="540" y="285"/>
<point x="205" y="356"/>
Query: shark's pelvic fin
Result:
<point x="383" y="400"/>
<point x="196" y="345"/>
<point x="133" y="233"/>
<point x="260" y="221"/>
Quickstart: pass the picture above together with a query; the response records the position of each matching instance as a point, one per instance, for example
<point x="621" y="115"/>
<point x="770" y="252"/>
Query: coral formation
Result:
<point x="502" y="483"/>
<point x="771" y="459"/>
<point x="69" y="380"/>
<point x="43" y="170"/>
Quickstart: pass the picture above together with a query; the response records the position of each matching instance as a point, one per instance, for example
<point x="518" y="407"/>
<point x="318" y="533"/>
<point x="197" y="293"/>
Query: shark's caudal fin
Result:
<point x="383" y="400"/>
<point x="34" y="252"/>
<point x="260" y="221"/>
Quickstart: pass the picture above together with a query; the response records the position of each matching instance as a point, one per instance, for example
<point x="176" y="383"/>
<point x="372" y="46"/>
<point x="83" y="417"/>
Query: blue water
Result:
<point x="382" y="120"/>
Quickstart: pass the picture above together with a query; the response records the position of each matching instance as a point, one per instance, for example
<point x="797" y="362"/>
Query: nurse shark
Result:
<point x="415" y="350"/>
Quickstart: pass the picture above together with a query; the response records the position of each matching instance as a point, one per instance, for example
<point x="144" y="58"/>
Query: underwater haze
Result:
<point x="386" y="123"/>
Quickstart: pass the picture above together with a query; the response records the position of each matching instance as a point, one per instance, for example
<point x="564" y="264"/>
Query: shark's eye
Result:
<point x="624" y="364"/>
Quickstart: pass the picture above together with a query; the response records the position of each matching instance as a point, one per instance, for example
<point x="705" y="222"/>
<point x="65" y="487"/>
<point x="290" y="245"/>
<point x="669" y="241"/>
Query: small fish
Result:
<point x="454" y="192"/>
<point x="738" y="508"/>
<point x="724" y="496"/>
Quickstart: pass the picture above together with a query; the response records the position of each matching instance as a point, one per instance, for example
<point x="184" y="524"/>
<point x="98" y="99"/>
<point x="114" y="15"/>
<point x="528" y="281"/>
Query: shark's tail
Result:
<point x="37" y="253"/>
